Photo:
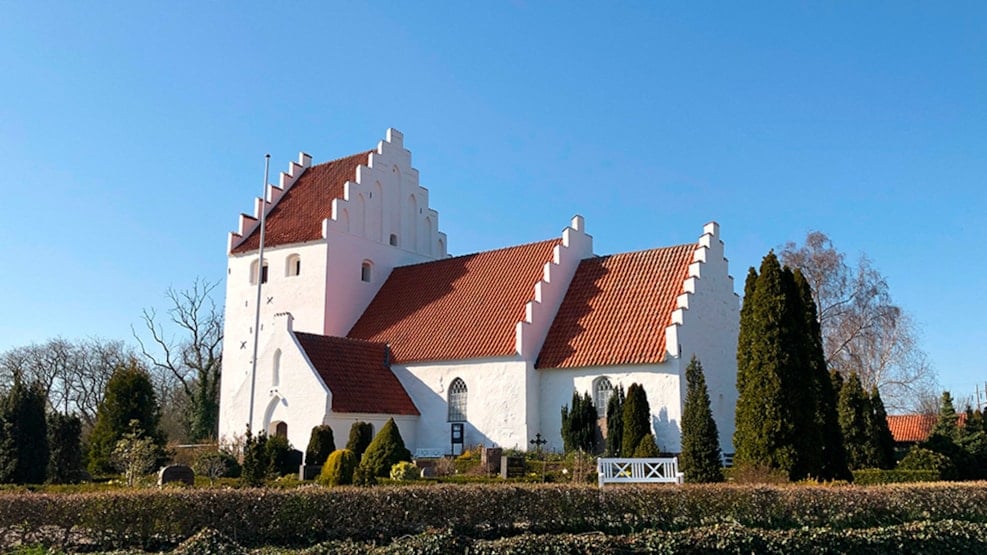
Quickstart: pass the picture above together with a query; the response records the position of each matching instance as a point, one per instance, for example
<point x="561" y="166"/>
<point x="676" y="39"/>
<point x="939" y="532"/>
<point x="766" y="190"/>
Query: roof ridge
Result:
<point x="344" y="338"/>
<point x="458" y="256"/>
<point x="679" y="246"/>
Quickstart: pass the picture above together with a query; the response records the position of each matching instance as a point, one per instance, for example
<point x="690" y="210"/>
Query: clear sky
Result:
<point x="132" y="134"/>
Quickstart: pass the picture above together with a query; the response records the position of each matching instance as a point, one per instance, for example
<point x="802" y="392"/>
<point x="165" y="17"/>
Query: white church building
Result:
<point x="364" y="316"/>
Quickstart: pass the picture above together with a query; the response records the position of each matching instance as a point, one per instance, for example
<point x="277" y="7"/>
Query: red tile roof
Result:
<point x="357" y="374"/>
<point x="297" y="216"/>
<point x="913" y="428"/>
<point x="456" y="308"/>
<point x="617" y="308"/>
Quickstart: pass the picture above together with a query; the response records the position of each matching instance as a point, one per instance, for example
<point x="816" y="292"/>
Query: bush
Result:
<point x="338" y="468"/>
<point x="405" y="470"/>
<point x="216" y="464"/>
<point x="361" y="434"/>
<point x="876" y="476"/>
<point x="320" y="445"/>
<point x="919" y="458"/>
<point x="386" y="450"/>
<point x="647" y="448"/>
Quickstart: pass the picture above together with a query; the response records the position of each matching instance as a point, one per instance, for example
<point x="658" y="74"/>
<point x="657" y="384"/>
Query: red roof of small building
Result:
<point x="617" y="308"/>
<point x="913" y="428"/>
<point x="455" y="308"/>
<point x="297" y="216"/>
<point x="358" y="375"/>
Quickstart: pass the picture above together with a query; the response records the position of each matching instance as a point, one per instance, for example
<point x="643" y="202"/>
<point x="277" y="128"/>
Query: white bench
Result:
<point x="639" y="471"/>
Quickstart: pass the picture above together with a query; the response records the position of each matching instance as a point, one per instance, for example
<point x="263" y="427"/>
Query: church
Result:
<point x="364" y="316"/>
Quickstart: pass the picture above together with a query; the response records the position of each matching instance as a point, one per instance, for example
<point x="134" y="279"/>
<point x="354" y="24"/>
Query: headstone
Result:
<point x="309" y="471"/>
<point x="490" y="459"/>
<point x="511" y="467"/>
<point x="176" y="473"/>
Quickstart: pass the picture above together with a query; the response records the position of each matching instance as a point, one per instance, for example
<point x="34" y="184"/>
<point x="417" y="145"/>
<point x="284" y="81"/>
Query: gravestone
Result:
<point x="511" y="467"/>
<point x="176" y="473"/>
<point x="490" y="459"/>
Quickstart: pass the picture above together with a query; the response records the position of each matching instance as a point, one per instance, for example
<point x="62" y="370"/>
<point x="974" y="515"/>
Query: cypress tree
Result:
<point x="361" y="434"/>
<point x="320" y="444"/>
<point x="65" y="448"/>
<point x="637" y="419"/>
<point x="386" y="450"/>
<point x="946" y="422"/>
<point x="579" y="424"/>
<point x="615" y="422"/>
<point x="26" y="433"/>
<point x="767" y="424"/>
<point x="881" y="438"/>
<point x="129" y="396"/>
<point x="700" y="455"/>
<point x="855" y="422"/>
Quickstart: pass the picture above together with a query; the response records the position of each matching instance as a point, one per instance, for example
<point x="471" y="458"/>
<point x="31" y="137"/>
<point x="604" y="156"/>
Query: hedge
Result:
<point x="153" y="519"/>
<point x="877" y="476"/>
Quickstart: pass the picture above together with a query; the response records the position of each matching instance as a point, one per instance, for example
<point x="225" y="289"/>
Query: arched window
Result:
<point x="457" y="401"/>
<point x="602" y="389"/>
<point x="281" y="429"/>
<point x="393" y="240"/>
<point x="253" y="273"/>
<point x="293" y="266"/>
<point x="365" y="270"/>
<point x="276" y="369"/>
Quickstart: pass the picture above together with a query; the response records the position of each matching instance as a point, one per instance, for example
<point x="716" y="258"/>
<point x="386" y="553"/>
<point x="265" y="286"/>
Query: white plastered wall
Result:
<point x="706" y="325"/>
<point x="496" y="411"/>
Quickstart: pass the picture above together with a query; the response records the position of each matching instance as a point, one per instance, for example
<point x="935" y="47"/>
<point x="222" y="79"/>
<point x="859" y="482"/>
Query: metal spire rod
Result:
<point x="260" y="284"/>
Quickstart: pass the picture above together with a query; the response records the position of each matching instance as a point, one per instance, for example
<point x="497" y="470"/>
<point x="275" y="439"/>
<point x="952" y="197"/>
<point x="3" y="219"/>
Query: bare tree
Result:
<point x="194" y="358"/>
<point x="863" y="330"/>
<point x="73" y="375"/>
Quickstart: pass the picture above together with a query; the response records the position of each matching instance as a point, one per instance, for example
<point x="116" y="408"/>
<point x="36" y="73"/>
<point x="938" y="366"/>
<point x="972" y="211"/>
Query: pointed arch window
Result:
<point x="457" y="400"/>
<point x="602" y="390"/>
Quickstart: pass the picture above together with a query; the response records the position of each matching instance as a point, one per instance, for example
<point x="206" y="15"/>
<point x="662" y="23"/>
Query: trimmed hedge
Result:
<point x="877" y="476"/>
<point x="152" y="519"/>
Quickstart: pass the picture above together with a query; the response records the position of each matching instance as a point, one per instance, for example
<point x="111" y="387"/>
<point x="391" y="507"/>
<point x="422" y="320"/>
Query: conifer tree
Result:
<point x="767" y="424"/>
<point x="579" y="424"/>
<point x="647" y="448"/>
<point x="946" y="422"/>
<point x="615" y="422"/>
<point x="637" y="419"/>
<point x="129" y="396"/>
<point x="881" y="438"/>
<point x="22" y="415"/>
<point x="386" y="450"/>
<point x="65" y="448"/>
<point x="361" y="434"/>
<point x="855" y="422"/>
<point x="700" y="455"/>
<point x="320" y="444"/>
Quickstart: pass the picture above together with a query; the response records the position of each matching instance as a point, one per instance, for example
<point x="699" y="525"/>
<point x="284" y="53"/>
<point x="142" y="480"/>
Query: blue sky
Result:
<point x="133" y="134"/>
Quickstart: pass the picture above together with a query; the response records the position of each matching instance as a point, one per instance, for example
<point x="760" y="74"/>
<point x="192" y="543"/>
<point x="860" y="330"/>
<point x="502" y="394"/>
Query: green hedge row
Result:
<point x="947" y="536"/>
<point x="876" y="476"/>
<point x="152" y="519"/>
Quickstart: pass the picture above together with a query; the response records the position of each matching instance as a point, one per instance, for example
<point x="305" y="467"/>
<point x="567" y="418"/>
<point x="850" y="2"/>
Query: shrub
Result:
<point x="338" y="468"/>
<point x="320" y="444"/>
<point x="216" y="464"/>
<point x="255" y="462"/>
<point x="405" y="470"/>
<point x="919" y="458"/>
<point x="579" y="424"/>
<point x="647" y="448"/>
<point x="877" y="476"/>
<point x="386" y="450"/>
<point x="361" y="434"/>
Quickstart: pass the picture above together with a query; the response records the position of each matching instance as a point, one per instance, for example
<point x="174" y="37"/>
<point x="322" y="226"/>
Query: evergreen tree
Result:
<point x="129" y="396"/>
<point x="647" y="448"/>
<point x="946" y="423"/>
<point x="26" y="433"/>
<point x="256" y="462"/>
<point x="637" y="419"/>
<point x="386" y="450"/>
<point x="767" y="421"/>
<point x="855" y="422"/>
<point x="615" y="422"/>
<point x="361" y="434"/>
<point x="579" y="424"/>
<point x="700" y="455"/>
<point x="881" y="438"/>
<point x="65" y="448"/>
<point x="832" y="461"/>
<point x="320" y="444"/>
<point x="945" y="439"/>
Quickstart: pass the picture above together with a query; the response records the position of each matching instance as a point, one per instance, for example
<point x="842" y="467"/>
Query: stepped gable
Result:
<point x="297" y="214"/>
<point x="358" y="374"/>
<point x="456" y="308"/>
<point x="617" y="308"/>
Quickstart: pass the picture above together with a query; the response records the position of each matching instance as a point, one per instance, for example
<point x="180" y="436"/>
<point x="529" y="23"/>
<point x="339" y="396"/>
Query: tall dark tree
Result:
<point x="880" y="432"/>
<point x="700" y="457"/>
<point x="129" y="396"/>
<point x="946" y="424"/>
<point x="65" y="448"/>
<point x="321" y="444"/>
<point x="855" y="421"/>
<point x="361" y="434"/>
<point x="767" y="423"/>
<point x="615" y="422"/>
<point x="946" y="438"/>
<point x="637" y="419"/>
<point x="22" y="416"/>
<point x="579" y="424"/>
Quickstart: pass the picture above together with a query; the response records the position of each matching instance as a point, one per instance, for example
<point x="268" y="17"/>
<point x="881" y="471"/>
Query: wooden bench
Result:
<point x="639" y="471"/>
